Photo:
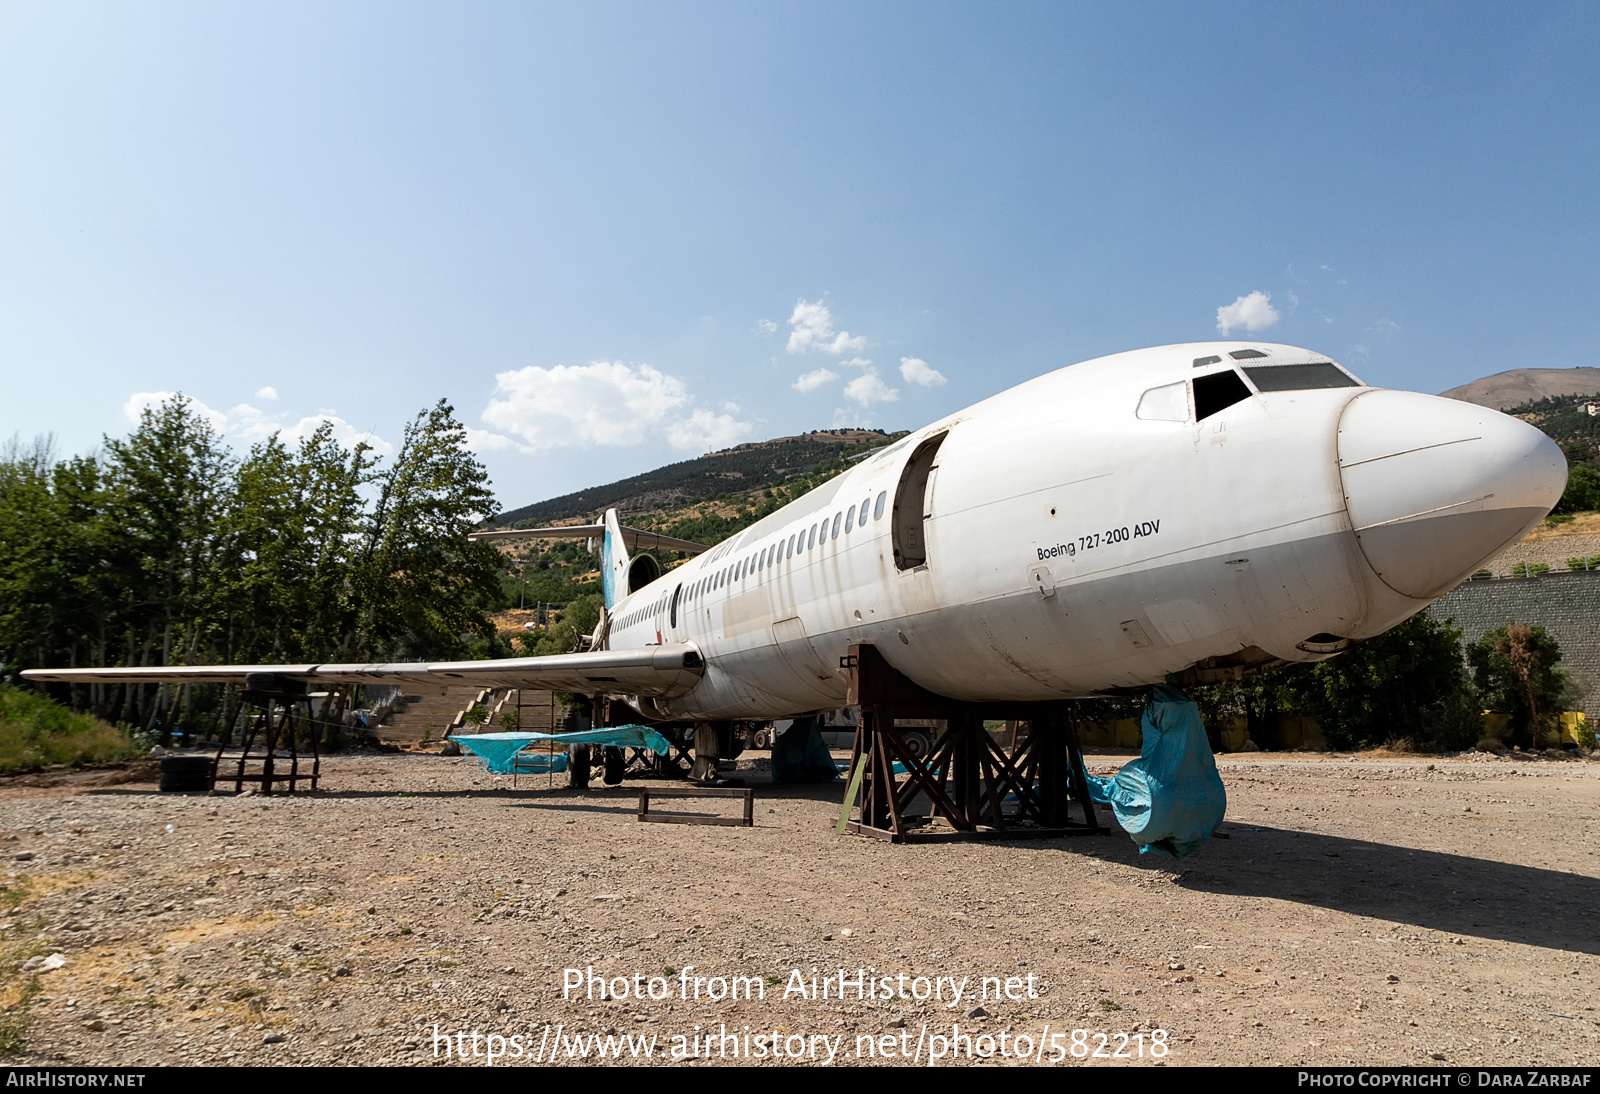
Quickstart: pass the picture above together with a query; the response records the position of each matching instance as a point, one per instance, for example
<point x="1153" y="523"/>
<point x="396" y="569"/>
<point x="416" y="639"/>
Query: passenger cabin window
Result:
<point x="1167" y="403"/>
<point x="1217" y="392"/>
<point x="877" y="508"/>
<point x="1300" y="377"/>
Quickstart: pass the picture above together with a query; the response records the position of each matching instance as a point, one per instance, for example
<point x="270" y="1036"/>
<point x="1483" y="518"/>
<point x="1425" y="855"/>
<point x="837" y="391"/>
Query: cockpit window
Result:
<point x="1217" y="392"/>
<point x="1299" y="377"/>
<point x="1168" y="403"/>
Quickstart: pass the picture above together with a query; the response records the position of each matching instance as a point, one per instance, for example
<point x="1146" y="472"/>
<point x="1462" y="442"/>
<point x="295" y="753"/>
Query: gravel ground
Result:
<point x="1366" y="910"/>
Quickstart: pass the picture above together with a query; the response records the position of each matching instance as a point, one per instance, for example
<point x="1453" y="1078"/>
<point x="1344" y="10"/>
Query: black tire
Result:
<point x="185" y="784"/>
<point x="616" y="762"/>
<point x="578" y="764"/>
<point x="186" y="765"/>
<point x="917" y="743"/>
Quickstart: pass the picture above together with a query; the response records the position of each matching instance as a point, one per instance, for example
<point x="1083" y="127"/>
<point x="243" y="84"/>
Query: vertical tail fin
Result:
<point x="613" y="561"/>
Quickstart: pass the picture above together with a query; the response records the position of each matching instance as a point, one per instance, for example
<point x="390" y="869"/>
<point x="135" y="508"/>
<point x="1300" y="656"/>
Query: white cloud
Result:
<point x="606" y="403"/>
<point x="267" y="393"/>
<point x="343" y="432"/>
<point x="703" y="431"/>
<point x="482" y="440"/>
<point x="812" y="329"/>
<point x="916" y="371"/>
<point x="1254" y="312"/>
<point x="137" y="402"/>
<point x="766" y="326"/>
<point x="813" y="380"/>
<point x="870" y="388"/>
<point x="251" y="424"/>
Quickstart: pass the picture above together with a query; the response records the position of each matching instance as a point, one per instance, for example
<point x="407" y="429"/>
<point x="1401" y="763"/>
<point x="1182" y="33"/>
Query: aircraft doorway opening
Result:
<point x="911" y="499"/>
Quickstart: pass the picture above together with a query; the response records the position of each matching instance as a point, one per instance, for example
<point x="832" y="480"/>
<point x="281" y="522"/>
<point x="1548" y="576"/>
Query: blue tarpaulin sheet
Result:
<point x="1171" y="798"/>
<point x="800" y="756"/>
<point x="844" y="769"/>
<point x="495" y="750"/>
<point x="540" y="763"/>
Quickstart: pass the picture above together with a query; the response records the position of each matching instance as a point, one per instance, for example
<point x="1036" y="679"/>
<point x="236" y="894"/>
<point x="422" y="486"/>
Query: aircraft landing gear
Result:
<point x="713" y="743"/>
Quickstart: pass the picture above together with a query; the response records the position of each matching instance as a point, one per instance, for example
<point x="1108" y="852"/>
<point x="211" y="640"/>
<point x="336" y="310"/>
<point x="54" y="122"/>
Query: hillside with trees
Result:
<point x="1566" y="421"/>
<point x="736" y="470"/>
<point x="554" y="573"/>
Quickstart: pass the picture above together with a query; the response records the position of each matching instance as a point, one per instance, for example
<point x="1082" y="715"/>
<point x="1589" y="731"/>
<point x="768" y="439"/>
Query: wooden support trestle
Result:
<point x="978" y="788"/>
<point x="281" y="711"/>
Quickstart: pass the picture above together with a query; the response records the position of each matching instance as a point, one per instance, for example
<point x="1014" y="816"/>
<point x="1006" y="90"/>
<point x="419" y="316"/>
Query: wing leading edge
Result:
<point x="661" y="672"/>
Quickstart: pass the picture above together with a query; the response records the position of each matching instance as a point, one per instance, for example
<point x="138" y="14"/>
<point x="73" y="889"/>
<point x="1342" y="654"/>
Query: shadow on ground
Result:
<point x="1435" y="890"/>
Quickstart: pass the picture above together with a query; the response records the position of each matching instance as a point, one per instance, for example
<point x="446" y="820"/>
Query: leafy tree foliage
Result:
<point x="169" y="550"/>
<point x="1582" y="494"/>
<point x="1564" y="419"/>
<point x="579" y="618"/>
<point x="1517" y="671"/>
<point x="1410" y="683"/>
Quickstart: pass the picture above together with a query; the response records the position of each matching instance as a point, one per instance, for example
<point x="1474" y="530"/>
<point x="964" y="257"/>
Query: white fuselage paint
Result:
<point x="1073" y="546"/>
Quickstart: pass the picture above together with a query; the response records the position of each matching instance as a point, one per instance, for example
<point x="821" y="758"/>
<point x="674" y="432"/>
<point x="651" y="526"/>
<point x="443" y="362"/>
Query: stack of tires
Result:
<point x="180" y="774"/>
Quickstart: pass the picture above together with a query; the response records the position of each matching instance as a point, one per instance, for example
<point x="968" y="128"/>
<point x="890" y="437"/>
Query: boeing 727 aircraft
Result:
<point x="1198" y="510"/>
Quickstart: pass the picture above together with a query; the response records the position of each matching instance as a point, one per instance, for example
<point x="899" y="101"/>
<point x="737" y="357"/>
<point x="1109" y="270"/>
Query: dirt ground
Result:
<point x="1362" y="910"/>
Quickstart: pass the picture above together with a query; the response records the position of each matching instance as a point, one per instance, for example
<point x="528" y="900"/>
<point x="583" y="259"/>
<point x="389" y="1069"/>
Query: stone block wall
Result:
<point x="1565" y="604"/>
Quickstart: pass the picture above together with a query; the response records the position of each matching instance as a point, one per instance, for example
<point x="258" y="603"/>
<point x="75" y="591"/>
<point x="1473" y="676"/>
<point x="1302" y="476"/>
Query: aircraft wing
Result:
<point x="636" y="539"/>
<point x="662" y="672"/>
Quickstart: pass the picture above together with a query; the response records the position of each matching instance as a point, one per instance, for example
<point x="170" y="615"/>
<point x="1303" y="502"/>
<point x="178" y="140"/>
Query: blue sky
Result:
<point x="618" y="235"/>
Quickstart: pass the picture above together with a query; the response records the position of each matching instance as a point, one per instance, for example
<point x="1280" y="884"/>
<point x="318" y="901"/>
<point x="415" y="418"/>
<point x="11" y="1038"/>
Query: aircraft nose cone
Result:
<point x="1435" y="487"/>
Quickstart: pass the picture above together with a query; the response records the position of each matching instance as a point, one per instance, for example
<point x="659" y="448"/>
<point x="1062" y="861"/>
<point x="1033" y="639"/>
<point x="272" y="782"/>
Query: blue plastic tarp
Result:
<point x="496" y="750"/>
<point x="800" y="756"/>
<point x="540" y="763"/>
<point x="1171" y="798"/>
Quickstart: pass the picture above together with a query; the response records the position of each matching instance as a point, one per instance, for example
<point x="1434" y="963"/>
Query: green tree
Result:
<point x="423" y="585"/>
<point x="583" y="613"/>
<point x="168" y="550"/>
<point x="1517" y="671"/>
<point x="165" y="487"/>
<point x="1408" y="683"/>
<point x="1583" y="490"/>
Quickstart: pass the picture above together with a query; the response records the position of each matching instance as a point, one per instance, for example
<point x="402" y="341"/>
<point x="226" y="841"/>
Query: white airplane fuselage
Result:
<point x="1103" y="526"/>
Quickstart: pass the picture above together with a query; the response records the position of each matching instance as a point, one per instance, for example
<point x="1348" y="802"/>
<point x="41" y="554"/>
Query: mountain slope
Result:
<point x="731" y="471"/>
<point x="1521" y="386"/>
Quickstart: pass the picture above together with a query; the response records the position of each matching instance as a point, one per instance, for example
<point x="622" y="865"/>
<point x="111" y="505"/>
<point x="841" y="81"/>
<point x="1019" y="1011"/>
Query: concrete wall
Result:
<point x="1565" y="604"/>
